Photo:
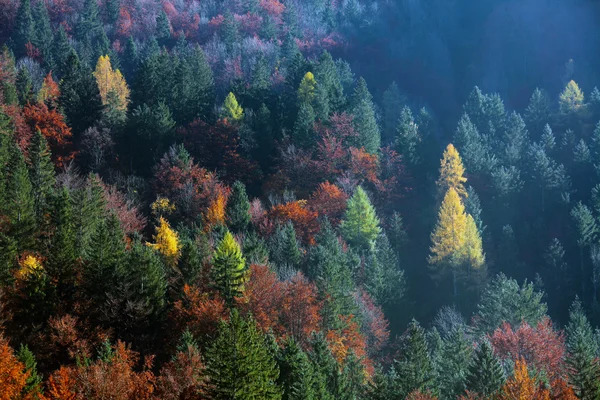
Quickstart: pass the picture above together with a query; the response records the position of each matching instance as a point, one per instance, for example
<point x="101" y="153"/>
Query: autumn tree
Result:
<point x="108" y="81"/>
<point x="451" y="172"/>
<point x="229" y="271"/>
<point x="306" y="90"/>
<point x="522" y="385"/>
<point x="571" y="99"/>
<point x="360" y="225"/>
<point x="239" y="363"/>
<point x="232" y="111"/>
<point x="13" y="375"/>
<point x="167" y="243"/>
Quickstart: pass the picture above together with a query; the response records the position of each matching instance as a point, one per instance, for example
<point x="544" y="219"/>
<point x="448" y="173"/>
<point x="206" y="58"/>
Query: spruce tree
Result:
<point x="237" y="211"/>
<point x="472" y="147"/>
<point x="239" y="365"/>
<point x="24" y="31"/>
<point x="327" y="380"/>
<point x="33" y="385"/>
<point x="408" y="138"/>
<point x="582" y="365"/>
<point x="365" y="123"/>
<point x="537" y="114"/>
<point x="360" y="225"/>
<point x="303" y="127"/>
<point x="61" y="51"/>
<point x="327" y="75"/>
<point x="190" y="261"/>
<point x="587" y="230"/>
<point x="41" y="174"/>
<point x="296" y="376"/>
<point x="393" y="103"/>
<point x="89" y="31"/>
<point x="384" y="280"/>
<point x="90" y="202"/>
<point x="229" y="271"/>
<point x="284" y="246"/>
<point x="163" y="29"/>
<point x="43" y="30"/>
<point x="453" y="364"/>
<point x="485" y="375"/>
<point x="24" y="87"/>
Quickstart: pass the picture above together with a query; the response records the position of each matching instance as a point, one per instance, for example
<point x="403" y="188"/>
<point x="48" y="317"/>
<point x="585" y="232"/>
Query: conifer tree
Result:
<point x="61" y="51"/>
<point x="239" y="363"/>
<point x="109" y="80"/>
<point x="384" y="280"/>
<point x="238" y="208"/>
<point x="571" y="100"/>
<point x="229" y="32"/>
<point x="24" y="87"/>
<point x="19" y="201"/>
<point x="303" y="127"/>
<point x="232" y="111"/>
<point x="327" y="76"/>
<point x="43" y="31"/>
<point x="41" y="174"/>
<point x="537" y="114"/>
<point x="24" y="31"/>
<point x="473" y="247"/>
<point x="451" y="172"/>
<point x="296" y="373"/>
<point x="360" y="225"/>
<point x="163" y="29"/>
<point x="587" y="229"/>
<point x="90" y="202"/>
<point x="365" y="123"/>
<point x="453" y="364"/>
<point x="327" y="378"/>
<point x="472" y="147"/>
<point x="89" y="31"/>
<point x="33" y="384"/>
<point x="229" y="271"/>
<point x="582" y="365"/>
<point x="191" y="261"/>
<point x="393" y="103"/>
<point x="285" y="249"/>
<point x="485" y="375"/>
<point x="414" y="369"/>
<point x="307" y="88"/>
<point x="408" y="137"/>
<point x="167" y="243"/>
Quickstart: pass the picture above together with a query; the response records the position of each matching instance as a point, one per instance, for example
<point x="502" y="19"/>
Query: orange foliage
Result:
<point x="52" y="125"/>
<point x="124" y="23"/>
<point x="347" y="338"/>
<point x="418" y="395"/>
<point x="49" y="92"/>
<point x="61" y="385"/>
<point x="23" y="132"/>
<point x="305" y="220"/>
<point x="300" y="308"/>
<point x="182" y="377"/>
<point x="364" y="165"/>
<point x="215" y="214"/>
<point x="198" y="312"/>
<point x="521" y="386"/>
<point x="562" y="391"/>
<point x="12" y="376"/>
<point x="329" y="200"/>
<point x="272" y="7"/>
<point x="264" y="295"/>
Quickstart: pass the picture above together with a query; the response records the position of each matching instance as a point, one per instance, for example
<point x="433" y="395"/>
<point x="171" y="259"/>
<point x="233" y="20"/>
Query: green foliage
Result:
<point x="360" y="225"/>
<point x="89" y="201"/>
<point x="303" y="127"/>
<point x="328" y="78"/>
<point x="537" y="114"/>
<point x="190" y="261"/>
<point x="485" y="375"/>
<point x="384" y="280"/>
<point x="585" y="223"/>
<point x="90" y="33"/>
<point x="231" y="109"/>
<point x="408" y="137"/>
<point x="453" y="365"/>
<point x="24" y="87"/>
<point x="473" y="147"/>
<point x="393" y="103"/>
<point x="163" y="29"/>
<point x="284" y="247"/>
<point x="504" y="300"/>
<point x="33" y="386"/>
<point x="229" y="271"/>
<point x="239" y="363"/>
<point x="43" y="30"/>
<point x="24" y="29"/>
<point x="364" y="119"/>
<point x="296" y="373"/>
<point x="237" y="211"/>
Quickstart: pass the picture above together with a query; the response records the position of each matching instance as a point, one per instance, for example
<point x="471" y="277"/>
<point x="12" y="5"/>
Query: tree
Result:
<point x="24" y="32"/>
<point x="231" y="109"/>
<point x="238" y="208"/>
<point x="571" y="99"/>
<point x="475" y="152"/>
<point x="89" y="31"/>
<point x="473" y="247"/>
<point x="13" y="376"/>
<point x="303" y="126"/>
<point x="485" y="375"/>
<point x="393" y="104"/>
<point x="61" y="51"/>
<point x="296" y="373"/>
<point x="330" y="83"/>
<point x="43" y="30"/>
<point x="587" y="230"/>
<point x="582" y="365"/>
<point x="537" y="114"/>
<point x="33" y="386"/>
<point x="522" y="385"/>
<point x="360" y="225"/>
<point x="307" y="88"/>
<point x="451" y="173"/>
<point x="24" y="87"/>
<point x="453" y="365"/>
<point x="364" y="119"/>
<point x="41" y="174"/>
<point x="414" y="369"/>
<point x="239" y="363"/>
<point x="408" y="137"/>
<point x="167" y="243"/>
<point x="163" y="29"/>
<point x="284" y="247"/>
<point x="108" y="81"/>
<point x="384" y="280"/>
<point x="229" y="271"/>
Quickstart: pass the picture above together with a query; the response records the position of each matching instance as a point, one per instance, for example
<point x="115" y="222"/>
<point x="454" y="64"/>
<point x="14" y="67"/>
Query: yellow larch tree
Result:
<point x="473" y="247"/>
<point x="110" y="80"/>
<point x="522" y="386"/>
<point x="215" y="214"/>
<point x="306" y="90"/>
<point x="571" y="99"/>
<point x="452" y="172"/>
<point x="232" y="111"/>
<point x="167" y="242"/>
<point x="448" y="237"/>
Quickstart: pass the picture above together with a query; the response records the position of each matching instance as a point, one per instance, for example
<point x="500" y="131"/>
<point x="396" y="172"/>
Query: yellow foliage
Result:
<point x="30" y="266"/>
<point x="162" y="206"/>
<point x="167" y="242"/>
<point x="306" y="91"/>
<point x="448" y="238"/>
<point x="231" y="109"/>
<point x="571" y="99"/>
<point x="215" y="214"/>
<point x="451" y="172"/>
<point x="522" y="386"/>
<point x="110" y="80"/>
<point x="473" y="248"/>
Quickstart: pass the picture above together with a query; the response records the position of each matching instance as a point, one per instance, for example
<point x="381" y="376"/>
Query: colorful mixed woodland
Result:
<point x="205" y="199"/>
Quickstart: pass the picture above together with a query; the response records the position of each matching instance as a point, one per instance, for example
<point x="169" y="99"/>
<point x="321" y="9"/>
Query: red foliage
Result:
<point x="541" y="347"/>
<point x="300" y="309"/>
<point x="364" y="165"/>
<point x="64" y="341"/>
<point x="218" y="146"/>
<point x="132" y="220"/>
<point x="346" y="338"/>
<point x="33" y="52"/>
<point x="61" y="385"/>
<point x="22" y="129"/>
<point x="418" y="395"/>
<point x="124" y="23"/>
<point x="12" y="374"/>
<point x="198" y="312"/>
<point x="52" y="125"/>
<point x="182" y="378"/>
<point x="263" y="298"/>
<point x="273" y="7"/>
<point x="374" y="327"/>
<point x="50" y="92"/>
<point x="561" y="390"/>
<point x="250" y="24"/>
<point x="305" y="220"/>
<point x="330" y="201"/>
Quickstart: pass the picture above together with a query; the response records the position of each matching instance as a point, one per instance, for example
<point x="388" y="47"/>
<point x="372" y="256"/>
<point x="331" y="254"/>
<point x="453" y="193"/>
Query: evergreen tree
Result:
<point x="582" y="347"/>
<point x="43" y="31"/>
<point x="485" y="375"/>
<point x="537" y="114"/>
<point x="61" y="52"/>
<point x="307" y="88"/>
<point x="360" y="225"/>
<point x="587" y="230"/>
<point x="190" y="262"/>
<point x="397" y="235"/>
<point x="19" y="203"/>
<point x="474" y="150"/>
<point x="24" y="87"/>
<point x="255" y="249"/>
<point x="453" y="364"/>
<point x="473" y="208"/>
<point x="229" y="32"/>
<point x="33" y="386"/>
<point x="384" y="280"/>
<point x="89" y="31"/>
<point x="548" y="141"/>
<point x="24" y="31"/>
<point x="163" y="29"/>
<point x="393" y="105"/>
<point x="451" y="173"/>
<point x="41" y="174"/>
<point x="296" y="376"/>
<point x="232" y="111"/>
<point x="229" y="271"/>
<point x="408" y="137"/>
<point x="414" y="369"/>
<point x="112" y="8"/>
<point x="328" y="78"/>
<point x="90" y="202"/>
<point x="285" y="249"/>
<point x="364" y="119"/>
<point x="237" y="211"/>
<point x="239" y="363"/>
<point x="515" y="139"/>
<point x="303" y="127"/>
<point x="328" y="380"/>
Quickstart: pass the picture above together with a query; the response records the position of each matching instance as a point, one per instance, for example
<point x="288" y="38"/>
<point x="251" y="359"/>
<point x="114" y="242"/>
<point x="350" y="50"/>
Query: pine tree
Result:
<point x="229" y="272"/>
<point x="24" y="87"/>
<point x="112" y="8"/>
<point x="33" y="385"/>
<point x="453" y="364"/>
<point x="364" y="119"/>
<point x="515" y="139"/>
<point x="587" y="229"/>
<point x="397" y="235"/>
<point x="475" y="152"/>
<point x="408" y="137"/>
<point x="451" y="173"/>
<point x="130" y="58"/>
<point x="89" y="31"/>
<point x="61" y="51"/>
<point x="232" y="111"/>
<point x="384" y="280"/>
<point x="163" y="29"/>
<point x="582" y="347"/>
<point x="285" y="249"/>
<point x="296" y="373"/>
<point x="90" y="202"/>
<point x="41" y="174"/>
<point x="238" y="208"/>
<point x="191" y="261"/>
<point x="19" y="201"/>
<point x="43" y="31"/>
<point x="326" y="369"/>
<point x="360" y="225"/>
<point x="328" y="78"/>
<point x="485" y="375"/>
<point x="537" y="114"/>
<point x="239" y="363"/>
<point x="24" y="31"/>
<point x="414" y="370"/>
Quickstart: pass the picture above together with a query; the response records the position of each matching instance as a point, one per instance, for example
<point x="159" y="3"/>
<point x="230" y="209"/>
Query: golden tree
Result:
<point x="571" y="99"/>
<point x="306" y="91"/>
<point x="110" y="80"/>
<point x="167" y="242"/>
<point x="232" y="111"/>
<point x="13" y="376"/>
<point x="451" y="172"/>
<point x="522" y="386"/>
<point x="473" y="248"/>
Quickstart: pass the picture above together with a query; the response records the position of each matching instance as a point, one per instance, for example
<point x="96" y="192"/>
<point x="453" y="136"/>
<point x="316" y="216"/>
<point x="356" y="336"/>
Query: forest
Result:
<point x="299" y="200"/>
